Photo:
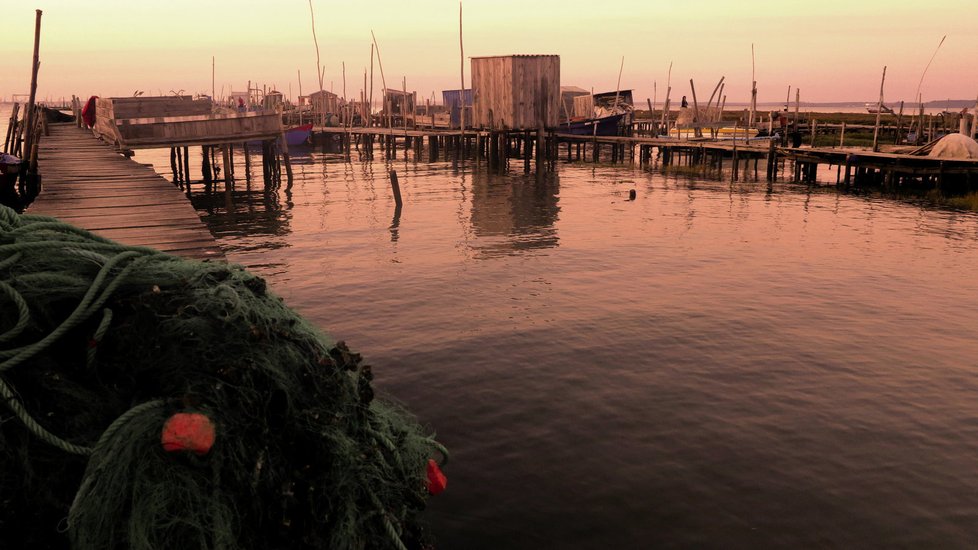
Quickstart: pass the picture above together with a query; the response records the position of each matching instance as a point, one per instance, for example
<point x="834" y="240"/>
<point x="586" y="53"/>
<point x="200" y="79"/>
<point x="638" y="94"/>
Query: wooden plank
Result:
<point x="97" y="189"/>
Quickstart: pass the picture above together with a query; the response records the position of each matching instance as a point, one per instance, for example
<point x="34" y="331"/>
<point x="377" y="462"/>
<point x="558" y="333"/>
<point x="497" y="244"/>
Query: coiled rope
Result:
<point x="112" y="274"/>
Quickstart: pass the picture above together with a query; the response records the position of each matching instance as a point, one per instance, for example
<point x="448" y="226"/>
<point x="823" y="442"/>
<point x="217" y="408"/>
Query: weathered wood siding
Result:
<point x="516" y="92"/>
<point x="189" y="123"/>
<point x="140" y="133"/>
<point x="150" y="107"/>
<point x="584" y="106"/>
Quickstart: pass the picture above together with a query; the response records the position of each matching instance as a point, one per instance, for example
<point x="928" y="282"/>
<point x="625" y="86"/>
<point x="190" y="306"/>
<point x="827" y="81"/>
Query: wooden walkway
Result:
<point x="87" y="183"/>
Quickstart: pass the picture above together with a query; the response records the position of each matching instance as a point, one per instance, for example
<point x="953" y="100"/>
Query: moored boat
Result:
<point x="299" y="135"/>
<point x="871" y="108"/>
<point x="9" y="169"/>
<point x="603" y="126"/>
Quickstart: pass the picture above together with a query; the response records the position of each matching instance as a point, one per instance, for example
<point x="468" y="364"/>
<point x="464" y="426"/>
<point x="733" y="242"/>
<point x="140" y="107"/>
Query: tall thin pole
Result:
<point x="371" y="100"/>
<point x="380" y="64"/>
<point x="919" y="84"/>
<point x="461" y="51"/>
<point x="618" y="86"/>
<point x="312" y="16"/>
<point x="879" y="109"/>
<point x="29" y="115"/>
<point x="665" y="106"/>
<point x="753" y="89"/>
<point x="213" y="84"/>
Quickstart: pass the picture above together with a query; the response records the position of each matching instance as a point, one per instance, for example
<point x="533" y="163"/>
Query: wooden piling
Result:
<point x="29" y="114"/>
<point x="879" y="109"/>
<point x="287" y="160"/>
<point x="173" y="165"/>
<point x="226" y="157"/>
<point x="186" y="165"/>
<point x="396" y="189"/>
<point x="205" y="165"/>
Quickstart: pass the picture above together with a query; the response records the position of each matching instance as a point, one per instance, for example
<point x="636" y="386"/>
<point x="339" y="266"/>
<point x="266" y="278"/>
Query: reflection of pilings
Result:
<point x="226" y="157"/>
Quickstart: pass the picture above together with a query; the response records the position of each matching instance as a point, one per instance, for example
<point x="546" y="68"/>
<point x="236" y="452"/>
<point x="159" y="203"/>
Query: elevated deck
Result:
<point x="86" y="182"/>
<point x="155" y="122"/>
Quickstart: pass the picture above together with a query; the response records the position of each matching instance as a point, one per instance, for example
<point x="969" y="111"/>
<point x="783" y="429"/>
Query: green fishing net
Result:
<point x="100" y="344"/>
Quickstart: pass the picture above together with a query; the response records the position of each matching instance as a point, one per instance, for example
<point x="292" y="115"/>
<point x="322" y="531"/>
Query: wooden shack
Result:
<point x="516" y="91"/>
<point x="399" y="107"/>
<point x="323" y="102"/>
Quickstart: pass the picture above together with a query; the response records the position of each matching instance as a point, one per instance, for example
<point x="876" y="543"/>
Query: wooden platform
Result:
<point x="87" y="183"/>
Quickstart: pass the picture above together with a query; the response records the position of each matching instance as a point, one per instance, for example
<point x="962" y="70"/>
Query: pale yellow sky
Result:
<point x="833" y="50"/>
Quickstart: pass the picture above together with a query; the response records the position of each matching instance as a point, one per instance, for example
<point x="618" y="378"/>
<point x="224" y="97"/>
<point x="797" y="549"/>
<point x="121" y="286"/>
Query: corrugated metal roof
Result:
<point x="514" y="55"/>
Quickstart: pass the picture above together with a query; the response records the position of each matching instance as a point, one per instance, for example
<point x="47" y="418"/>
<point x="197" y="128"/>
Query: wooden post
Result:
<point x="396" y="189"/>
<point x="797" y="103"/>
<point x="370" y="99"/>
<point x="461" y="52"/>
<point x="899" y="128"/>
<point x="696" y="110"/>
<point x="29" y="114"/>
<point x="974" y="120"/>
<point x="404" y="104"/>
<point x="205" y="165"/>
<point x="186" y="164"/>
<point x="842" y="134"/>
<point x="8" y="142"/>
<point x="175" y="164"/>
<point x="247" y="156"/>
<point x="226" y="157"/>
<point x="288" y="162"/>
<point x="618" y="86"/>
<point x="879" y="109"/>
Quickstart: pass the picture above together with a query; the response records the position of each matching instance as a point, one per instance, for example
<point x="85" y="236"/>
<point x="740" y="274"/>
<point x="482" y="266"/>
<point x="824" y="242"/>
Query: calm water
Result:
<point x="709" y="366"/>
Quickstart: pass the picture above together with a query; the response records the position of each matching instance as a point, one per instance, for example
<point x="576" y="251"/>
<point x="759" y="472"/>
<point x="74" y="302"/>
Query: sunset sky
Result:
<point x="833" y="50"/>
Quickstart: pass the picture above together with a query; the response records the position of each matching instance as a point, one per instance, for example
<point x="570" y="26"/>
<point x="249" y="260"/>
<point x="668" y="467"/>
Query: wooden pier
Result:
<point x="760" y="156"/>
<point x="88" y="183"/>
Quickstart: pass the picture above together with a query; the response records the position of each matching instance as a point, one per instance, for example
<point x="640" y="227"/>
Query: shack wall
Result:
<point x="453" y="101"/>
<point x="516" y="92"/>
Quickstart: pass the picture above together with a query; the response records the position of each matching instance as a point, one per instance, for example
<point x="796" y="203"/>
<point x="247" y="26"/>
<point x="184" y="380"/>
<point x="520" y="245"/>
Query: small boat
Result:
<point x="604" y="126"/>
<point x="298" y="135"/>
<point x="871" y="107"/>
<point x="9" y="168"/>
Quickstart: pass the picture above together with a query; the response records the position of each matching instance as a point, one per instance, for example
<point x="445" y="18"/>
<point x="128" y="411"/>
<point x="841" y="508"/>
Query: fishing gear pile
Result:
<point x="153" y="402"/>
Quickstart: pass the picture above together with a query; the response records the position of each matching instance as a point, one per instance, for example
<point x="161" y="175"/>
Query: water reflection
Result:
<point x="511" y="215"/>
<point x="246" y="208"/>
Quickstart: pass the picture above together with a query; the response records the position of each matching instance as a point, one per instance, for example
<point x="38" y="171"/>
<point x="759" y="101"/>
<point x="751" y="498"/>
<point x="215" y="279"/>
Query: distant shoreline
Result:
<point x="948" y="104"/>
